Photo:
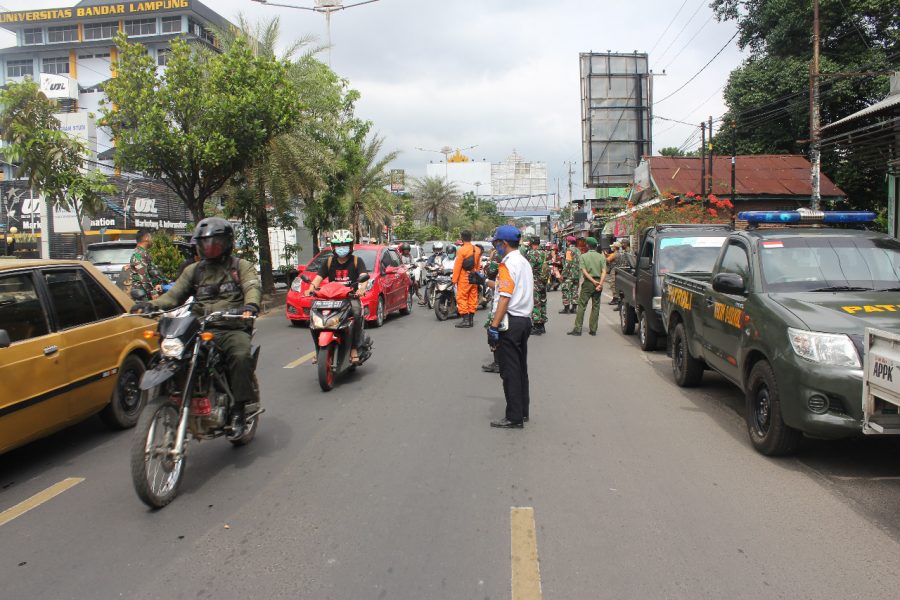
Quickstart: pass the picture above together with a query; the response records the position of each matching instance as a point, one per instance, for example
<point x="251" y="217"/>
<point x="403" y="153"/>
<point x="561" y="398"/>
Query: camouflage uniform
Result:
<point x="540" y="268"/>
<point x="571" y="274"/>
<point x="144" y="274"/>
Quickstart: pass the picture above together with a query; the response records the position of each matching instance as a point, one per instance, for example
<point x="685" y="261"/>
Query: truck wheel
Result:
<point x="646" y="335"/>
<point x="688" y="370"/>
<point x="768" y="432"/>
<point x="626" y="319"/>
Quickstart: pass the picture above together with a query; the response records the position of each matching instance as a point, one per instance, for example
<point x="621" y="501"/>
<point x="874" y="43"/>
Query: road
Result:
<point x="394" y="486"/>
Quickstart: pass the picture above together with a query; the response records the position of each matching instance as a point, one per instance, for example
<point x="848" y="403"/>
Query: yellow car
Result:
<point x="68" y="349"/>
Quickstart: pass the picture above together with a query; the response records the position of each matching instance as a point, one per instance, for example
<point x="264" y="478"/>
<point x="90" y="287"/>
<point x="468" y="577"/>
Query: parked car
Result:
<point x="68" y="350"/>
<point x="110" y="257"/>
<point x="390" y="289"/>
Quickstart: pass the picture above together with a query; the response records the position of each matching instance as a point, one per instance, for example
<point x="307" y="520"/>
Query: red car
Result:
<point x="390" y="288"/>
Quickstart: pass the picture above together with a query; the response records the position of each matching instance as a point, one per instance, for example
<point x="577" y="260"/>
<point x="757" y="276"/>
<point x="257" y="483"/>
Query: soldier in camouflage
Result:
<point x="540" y="268"/>
<point x="571" y="274"/>
<point x="490" y="272"/>
<point x="146" y="281"/>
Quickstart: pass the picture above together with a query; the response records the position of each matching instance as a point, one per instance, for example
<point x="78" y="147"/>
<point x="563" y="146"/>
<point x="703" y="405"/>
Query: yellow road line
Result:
<point x="300" y="360"/>
<point x="526" y="572"/>
<point x="51" y="492"/>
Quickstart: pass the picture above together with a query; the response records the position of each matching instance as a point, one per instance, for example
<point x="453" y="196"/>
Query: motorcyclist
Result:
<point x="220" y="282"/>
<point x="449" y="259"/>
<point x="344" y="267"/>
<point x="437" y="254"/>
<point x="405" y="257"/>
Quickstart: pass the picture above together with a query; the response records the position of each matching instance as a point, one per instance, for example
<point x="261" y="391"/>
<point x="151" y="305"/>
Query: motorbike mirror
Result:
<point x="138" y="294"/>
<point x="305" y="278"/>
<point x="363" y="278"/>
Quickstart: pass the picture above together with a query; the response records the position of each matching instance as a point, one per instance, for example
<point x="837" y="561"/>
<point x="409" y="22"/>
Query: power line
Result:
<point x="703" y="68"/>
<point x="678" y="35"/>
<point x="853" y="22"/>
<point x="659" y="39"/>
<point x="689" y="42"/>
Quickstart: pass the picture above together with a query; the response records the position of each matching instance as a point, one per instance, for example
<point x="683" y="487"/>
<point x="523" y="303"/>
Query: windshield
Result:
<point x="687" y="254"/>
<point x="367" y="256"/>
<point x="820" y="263"/>
<point x="109" y="255"/>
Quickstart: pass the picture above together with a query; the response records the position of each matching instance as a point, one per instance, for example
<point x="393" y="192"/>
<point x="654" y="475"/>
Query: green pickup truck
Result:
<point x="783" y="316"/>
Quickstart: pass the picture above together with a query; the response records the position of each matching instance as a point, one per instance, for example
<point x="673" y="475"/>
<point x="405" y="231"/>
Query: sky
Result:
<point x="502" y="74"/>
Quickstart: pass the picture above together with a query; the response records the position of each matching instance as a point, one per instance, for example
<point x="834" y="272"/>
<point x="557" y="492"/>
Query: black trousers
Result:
<point x="512" y="355"/>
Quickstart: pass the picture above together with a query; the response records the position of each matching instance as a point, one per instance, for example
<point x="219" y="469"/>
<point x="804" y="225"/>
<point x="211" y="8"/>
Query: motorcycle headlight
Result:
<point x="824" y="348"/>
<point x="333" y="321"/>
<point x="316" y="321"/>
<point x="296" y="284"/>
<point x="171" y="348"/>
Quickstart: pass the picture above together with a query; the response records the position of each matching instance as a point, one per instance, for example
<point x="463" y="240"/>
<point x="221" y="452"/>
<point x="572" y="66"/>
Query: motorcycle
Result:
<point x="555" y="278"/>
<point x="431" y="274"/>
<point x="444" y="298"/>
<point x="331" y="321"/>
<point x="191" y="399"/>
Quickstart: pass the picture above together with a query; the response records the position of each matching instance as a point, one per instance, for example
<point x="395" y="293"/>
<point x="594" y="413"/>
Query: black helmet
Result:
<point x="535" y="240"/>
<point x="404" y="247"/>
<point x="215" y="238"/>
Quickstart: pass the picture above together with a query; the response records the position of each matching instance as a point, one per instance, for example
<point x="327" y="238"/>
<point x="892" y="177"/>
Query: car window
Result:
<point x="736" y="261"/>
<point x="647" y="251"/>
<point x="70" y="298"/>
<point x="21" y="312"/>
<point x="104" y="306"/>
<point x="394" y="258"/>
<point x="109" y="255"/>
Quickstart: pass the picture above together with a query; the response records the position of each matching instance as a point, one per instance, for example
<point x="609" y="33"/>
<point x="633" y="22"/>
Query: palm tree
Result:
<point x="371" y="205"/>
<point x="436" y="198"/>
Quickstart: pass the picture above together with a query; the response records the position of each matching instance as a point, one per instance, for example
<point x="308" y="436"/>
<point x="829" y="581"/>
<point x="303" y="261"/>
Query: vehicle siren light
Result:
<point x="786" y="217"/>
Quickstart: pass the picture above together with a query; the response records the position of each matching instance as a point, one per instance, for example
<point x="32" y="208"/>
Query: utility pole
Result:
<point x="733" y="166"/>
<point x="710" y="186"/>
<point x="571" y="172"/>
<point x="815" y="151"/>
<point x="702" y="158"/>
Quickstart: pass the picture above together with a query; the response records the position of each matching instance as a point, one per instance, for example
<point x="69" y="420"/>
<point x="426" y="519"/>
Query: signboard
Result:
<point x="23" y="212"/>
<point x="398" y="180"/>
<point x="59" y="86"/>
<point x="113" y="9"/>
<point x="65" y="221"/>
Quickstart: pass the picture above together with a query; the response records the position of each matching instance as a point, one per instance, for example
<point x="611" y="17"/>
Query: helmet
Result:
<point x="438" y="247"/>
<point x="535" y="240"/>
<point x="404" y="247"/>
<point x="451" y="251"/>
<point x="215" y="238"/>
<point x="458" y="243"/>
<point x="507" y="233"/>
<point x="341" y="236"/>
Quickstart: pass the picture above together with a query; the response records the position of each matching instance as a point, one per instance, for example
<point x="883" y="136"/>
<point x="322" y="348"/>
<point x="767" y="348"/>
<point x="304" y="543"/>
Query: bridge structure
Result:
<point x="531" y="205"/>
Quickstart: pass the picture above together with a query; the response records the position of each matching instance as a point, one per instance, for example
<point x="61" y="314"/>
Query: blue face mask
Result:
<point x="342" y="251"/>
<point x="501" y="249"/>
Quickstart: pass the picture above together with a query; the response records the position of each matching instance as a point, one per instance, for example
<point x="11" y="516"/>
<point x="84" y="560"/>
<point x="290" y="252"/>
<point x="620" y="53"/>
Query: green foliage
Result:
<point x="480" y="216"/>
<point x="371" y="205"/>
<point x="165" y="255"/>
<point x="768" y="95"/>
<point x="436" y="199"/>
<point x="205" y="118"/>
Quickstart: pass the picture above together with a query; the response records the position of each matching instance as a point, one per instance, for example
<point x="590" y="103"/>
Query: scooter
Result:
<point x="331" y="321"/>
<point x="444" y="298"/>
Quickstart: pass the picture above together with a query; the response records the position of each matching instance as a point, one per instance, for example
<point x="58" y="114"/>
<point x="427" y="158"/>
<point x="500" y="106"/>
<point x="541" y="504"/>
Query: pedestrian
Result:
<point x="540" y="269"/>
<point x="468" y="260"/>
<point x="146" y="280"/>
<point x="571" y="275"/>
<point x="490" y="273"/>
<point x="593" y="268"/>
<point x="613" y="260"/>
<point x="511" y="324"/>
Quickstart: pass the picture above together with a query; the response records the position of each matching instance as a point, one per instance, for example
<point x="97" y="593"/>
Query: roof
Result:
<point x="7" y="264"/>
<point x="756" y="175"/>
<point x="785" y="232"/>
<point x="887" y="103"/>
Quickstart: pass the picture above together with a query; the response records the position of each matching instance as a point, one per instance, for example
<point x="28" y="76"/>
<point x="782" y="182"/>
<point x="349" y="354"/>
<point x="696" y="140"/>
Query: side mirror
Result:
<point x="644" y="263"/>
<point x="305" y="278"/>
<point x="301" y="268"/>
<point x="4" y="339"/>
<point x="729" y="283"/>
<point x="365" y="277"/>
<point x="390" y="270"/>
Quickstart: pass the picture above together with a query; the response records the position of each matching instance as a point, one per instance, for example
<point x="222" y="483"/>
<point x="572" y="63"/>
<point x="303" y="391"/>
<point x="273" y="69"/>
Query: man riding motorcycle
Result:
<point x="344" y="267"/>
<point x="220" y="282"/>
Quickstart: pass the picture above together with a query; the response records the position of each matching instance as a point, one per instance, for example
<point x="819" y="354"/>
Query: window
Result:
<point x="102" y="55"/>
<point x="34" y="36"/>
<point x="162" y="56"/>
<point x="64" y="33"/>
<point x="100" y="31"/>
<point x="104" y="306"/>
<point x="140" y="27"/>
<point x="647" y="251"/>
<point x="171" y="24"/>
<point x="395" y="259"/>
<point x="20" y="68"/>
<point x="70" y="298"/>
<point x="21" y="312"/>
<point x="56" y="66"/>
<point x="736" y="261"/>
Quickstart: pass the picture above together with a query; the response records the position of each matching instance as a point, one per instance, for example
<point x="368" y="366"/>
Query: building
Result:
<point x="466" y="174"/>
<point x="70" y="53"/>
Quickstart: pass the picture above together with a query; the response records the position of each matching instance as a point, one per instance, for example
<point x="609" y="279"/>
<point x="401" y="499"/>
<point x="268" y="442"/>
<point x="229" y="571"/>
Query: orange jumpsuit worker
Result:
<point x="468" y="255"/>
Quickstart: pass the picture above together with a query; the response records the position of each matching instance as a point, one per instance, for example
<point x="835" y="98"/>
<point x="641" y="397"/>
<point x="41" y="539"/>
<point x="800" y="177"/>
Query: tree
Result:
<point x="478" y="215"/>
<point x="371" y="205"/>
<point x="436" y="199"/>
<point x="51" y="160"/>
<point x="201" y="121"/>
<point x="768" y="98"/>
<point x="165" y="255"/>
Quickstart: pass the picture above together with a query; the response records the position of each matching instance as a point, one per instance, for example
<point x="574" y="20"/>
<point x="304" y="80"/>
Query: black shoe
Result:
<point x="613" y="301"/>
<point x="564" y="311"/>
<point x="525" y="419"/>
<point x="463" y="323"/>
<point x="592" y="333"/>
<point x="491" y="368"/>
<point x="507" y="424"/>
<point x="237" y="422"/>
<point x="618" y="308"/>
<point x="573" y="332"/>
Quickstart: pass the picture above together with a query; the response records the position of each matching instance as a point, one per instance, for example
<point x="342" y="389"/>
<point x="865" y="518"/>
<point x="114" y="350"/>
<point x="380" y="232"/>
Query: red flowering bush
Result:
<point x="689" y="208"/>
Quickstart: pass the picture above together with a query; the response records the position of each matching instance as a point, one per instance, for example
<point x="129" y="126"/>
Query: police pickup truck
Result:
<point x="783" y="316"/>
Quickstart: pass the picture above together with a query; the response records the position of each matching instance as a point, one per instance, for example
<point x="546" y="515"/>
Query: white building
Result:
<point x="513" y="177"/>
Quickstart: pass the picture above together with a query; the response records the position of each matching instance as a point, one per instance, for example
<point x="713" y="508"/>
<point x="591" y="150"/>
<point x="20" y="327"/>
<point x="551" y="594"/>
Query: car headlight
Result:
<point x="171" y="348"/>
<point x="824" y="348"/>
<point x="296" y="284"/>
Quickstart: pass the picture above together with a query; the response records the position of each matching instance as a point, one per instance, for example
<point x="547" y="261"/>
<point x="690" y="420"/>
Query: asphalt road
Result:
<point x="394" y="486"/>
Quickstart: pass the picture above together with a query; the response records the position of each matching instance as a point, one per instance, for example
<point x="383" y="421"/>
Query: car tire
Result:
<point x="379" y="313"/>
<point x="128" y="400"/>
<point x="410" y="294"/>
<point x="768" y="432"/>
<point x="688" y="371"/>
<point x="626" y="319"/>
<point x="646" y="335"/>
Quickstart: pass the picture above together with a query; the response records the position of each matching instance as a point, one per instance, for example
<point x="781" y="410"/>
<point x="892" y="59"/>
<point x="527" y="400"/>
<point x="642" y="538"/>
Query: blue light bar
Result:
<point x="787" y="217"/>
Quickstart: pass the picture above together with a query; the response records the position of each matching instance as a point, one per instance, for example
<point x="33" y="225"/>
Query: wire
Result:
<point x="853" y="22"/>
<point x="678" y="35"/>
<point x="703" y="68"/>
<point x="689" y="42"/>
<point x="659" y="39"/>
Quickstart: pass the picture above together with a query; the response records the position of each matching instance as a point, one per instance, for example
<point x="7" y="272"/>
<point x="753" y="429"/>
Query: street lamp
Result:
<point x="446" y="151"/>
<point x="325" y="7"/>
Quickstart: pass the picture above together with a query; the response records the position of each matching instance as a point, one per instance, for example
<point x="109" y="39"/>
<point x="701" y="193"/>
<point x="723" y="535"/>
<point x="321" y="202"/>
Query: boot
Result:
<point x="463" y="322"/>
<point x="492" y="367"/>
<point x="564" y="310"/>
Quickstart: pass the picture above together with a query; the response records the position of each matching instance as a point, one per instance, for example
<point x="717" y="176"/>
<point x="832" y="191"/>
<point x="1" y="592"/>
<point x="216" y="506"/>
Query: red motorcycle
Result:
<point x="331" y="321"/>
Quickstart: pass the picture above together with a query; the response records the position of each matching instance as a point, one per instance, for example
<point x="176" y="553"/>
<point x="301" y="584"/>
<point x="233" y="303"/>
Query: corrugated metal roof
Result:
<point x="889" y="102"/>
<point x="756" y="175"/>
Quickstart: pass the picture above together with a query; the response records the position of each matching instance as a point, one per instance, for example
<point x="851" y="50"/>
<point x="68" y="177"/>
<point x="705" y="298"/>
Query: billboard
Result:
<point x="398" y="180"/>
<point x="616" y="116"/>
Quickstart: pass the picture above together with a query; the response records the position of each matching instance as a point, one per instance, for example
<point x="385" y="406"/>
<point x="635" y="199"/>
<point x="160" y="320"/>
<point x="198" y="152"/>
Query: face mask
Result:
<point x="342" y="251"/>
<point x="501" y="249"/>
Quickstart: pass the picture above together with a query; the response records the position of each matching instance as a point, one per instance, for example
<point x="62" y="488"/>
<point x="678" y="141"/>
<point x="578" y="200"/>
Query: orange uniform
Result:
<point x="466" y="293"/>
